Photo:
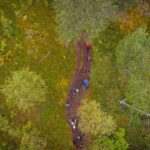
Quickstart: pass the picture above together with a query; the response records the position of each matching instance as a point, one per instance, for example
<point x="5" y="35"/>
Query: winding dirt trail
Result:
<point x="83" y="70"/>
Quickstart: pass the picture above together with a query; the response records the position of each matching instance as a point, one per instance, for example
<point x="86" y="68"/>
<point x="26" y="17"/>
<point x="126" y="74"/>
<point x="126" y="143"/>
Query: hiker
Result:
<point x="74" y="91"/>
<point x="87" y="48"/>
<point x="73" y="123"/>
<point x="84" y="70"/>
<point x="85" y="83"/>
<point x="89" y="58"/>
<point x="78" y="137"/>
<point x="77" y="140"/>
<point x="67" y="104"/>
<point x="77" y="90"/>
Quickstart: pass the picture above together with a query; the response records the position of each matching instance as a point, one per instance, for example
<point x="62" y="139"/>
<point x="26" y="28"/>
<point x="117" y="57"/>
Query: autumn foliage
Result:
<point x="134" y="18"/>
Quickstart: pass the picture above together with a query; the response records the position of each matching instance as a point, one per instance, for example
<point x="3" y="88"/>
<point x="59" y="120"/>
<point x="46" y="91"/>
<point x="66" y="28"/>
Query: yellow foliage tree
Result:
<point x="93" y="120"/>
<point x="134" y="18"/>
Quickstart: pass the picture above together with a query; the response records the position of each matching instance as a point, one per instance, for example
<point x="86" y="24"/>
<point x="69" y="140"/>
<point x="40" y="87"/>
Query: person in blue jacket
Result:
<point x="85" y="83"/>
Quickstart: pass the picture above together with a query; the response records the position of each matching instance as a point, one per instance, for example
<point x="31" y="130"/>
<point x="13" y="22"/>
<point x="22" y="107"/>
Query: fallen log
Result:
<point x="123" y="102"/>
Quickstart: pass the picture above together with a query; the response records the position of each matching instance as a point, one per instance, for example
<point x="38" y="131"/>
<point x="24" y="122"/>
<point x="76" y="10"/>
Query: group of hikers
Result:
<point x="74" y="91"/>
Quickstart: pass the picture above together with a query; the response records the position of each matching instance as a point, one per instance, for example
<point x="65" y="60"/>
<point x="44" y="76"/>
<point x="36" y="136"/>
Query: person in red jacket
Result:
<point x="87" y="48"/>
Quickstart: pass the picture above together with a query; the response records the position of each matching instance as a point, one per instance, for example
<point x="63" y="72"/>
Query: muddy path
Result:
<point x="74" y="99"/>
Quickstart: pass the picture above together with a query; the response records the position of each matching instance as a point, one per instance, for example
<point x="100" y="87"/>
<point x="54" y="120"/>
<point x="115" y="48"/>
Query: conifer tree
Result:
<point x="75" y="17"/>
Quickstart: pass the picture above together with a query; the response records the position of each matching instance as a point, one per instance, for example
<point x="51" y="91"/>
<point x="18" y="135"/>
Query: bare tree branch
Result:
<point x="123" y="102"/>
<point x="45" y="56"/>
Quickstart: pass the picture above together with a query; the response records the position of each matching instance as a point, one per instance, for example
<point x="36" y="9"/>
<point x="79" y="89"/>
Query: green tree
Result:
<point x="4" y="124"/>
<point x="133" y="63"/>
<point x="119" y="140"/>
<point x="93" y="120"/>
<point x="132" y="53"/>
<point x="24" y="89"/>
<point x="30" y="138"/>
<point x="138" y="137"/>
<point x="25" y="136"/>
<point x="128" y="4"/>
<point x="115" y="142"/>
<point x="6" y="25"/>
<point x="75" y="17"/>
<point x="147" y="140"/>
<point x="137" y="93"/>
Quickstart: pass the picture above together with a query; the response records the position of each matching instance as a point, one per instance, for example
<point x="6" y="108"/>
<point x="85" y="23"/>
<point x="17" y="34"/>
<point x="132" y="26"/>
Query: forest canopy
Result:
<point x="74" y="74"/>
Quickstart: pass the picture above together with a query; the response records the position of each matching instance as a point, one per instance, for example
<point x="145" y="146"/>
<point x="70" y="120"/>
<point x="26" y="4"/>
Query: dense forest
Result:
<point x="74" y="74"/>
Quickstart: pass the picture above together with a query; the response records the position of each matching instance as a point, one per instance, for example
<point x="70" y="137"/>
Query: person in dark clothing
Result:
<point x="78" y="137"/>
<point x="74" y="91"/>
